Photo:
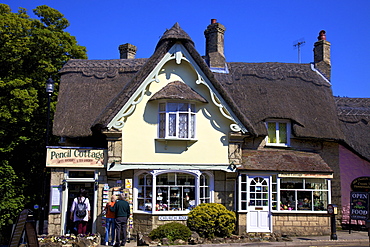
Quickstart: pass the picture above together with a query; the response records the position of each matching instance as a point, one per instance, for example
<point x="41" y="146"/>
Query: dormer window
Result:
<point x="278" y="133"/>
<point x="176" y="120"/>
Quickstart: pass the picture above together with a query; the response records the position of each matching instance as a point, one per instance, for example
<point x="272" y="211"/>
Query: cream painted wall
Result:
<point x="141" y="130"/>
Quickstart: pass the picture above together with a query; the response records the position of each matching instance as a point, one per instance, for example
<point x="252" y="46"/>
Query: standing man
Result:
<point x="122" y="210"/>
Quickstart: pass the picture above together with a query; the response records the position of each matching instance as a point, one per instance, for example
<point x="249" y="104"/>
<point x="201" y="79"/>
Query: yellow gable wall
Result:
<point x="141" y="129"/>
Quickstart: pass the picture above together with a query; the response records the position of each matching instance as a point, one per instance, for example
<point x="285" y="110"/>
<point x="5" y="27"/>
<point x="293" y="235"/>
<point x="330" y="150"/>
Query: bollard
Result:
<point x="332" y="211"/>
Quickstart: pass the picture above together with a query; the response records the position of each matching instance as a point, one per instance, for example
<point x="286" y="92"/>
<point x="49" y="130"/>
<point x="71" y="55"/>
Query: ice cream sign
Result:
<point x="75" y="157"/>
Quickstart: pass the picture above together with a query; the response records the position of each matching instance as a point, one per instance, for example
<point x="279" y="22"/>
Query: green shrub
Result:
<point x="211" y="220"/>
<point x="172" y="231"/>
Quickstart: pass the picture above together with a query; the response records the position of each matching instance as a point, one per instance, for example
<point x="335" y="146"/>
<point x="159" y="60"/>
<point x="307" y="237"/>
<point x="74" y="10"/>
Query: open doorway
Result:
<point x="73" y="192"/>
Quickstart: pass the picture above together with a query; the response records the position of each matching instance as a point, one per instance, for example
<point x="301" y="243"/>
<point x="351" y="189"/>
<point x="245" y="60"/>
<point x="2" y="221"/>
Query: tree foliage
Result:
<point x="31" y="51"/>
<point x="8" y="191"/>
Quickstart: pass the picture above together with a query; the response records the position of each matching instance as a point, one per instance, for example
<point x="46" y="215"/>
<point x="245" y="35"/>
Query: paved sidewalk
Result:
<point x="355" y="239"/>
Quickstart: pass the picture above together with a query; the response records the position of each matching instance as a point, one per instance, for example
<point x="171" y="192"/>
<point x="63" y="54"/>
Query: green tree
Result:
<point x="31" y="51"/>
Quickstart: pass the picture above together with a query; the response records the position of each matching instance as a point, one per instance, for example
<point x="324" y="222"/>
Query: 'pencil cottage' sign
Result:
<point x="75" y="157"/>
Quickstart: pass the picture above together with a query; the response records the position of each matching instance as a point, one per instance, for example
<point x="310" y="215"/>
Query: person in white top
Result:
<point x="80" y="211"/>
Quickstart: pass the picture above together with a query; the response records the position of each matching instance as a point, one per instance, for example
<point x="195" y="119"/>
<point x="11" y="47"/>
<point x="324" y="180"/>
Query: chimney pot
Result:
<point x="127" y="51"/>
<point x="213" y="21"/>
<point x="322" y="35"/>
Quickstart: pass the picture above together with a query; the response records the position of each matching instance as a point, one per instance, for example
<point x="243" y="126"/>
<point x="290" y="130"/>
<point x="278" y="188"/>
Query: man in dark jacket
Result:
<point x="122" y="211"/>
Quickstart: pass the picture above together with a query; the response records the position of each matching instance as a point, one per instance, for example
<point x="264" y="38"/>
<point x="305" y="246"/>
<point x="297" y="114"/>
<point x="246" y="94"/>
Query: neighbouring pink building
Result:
<point x="354" y="155"/>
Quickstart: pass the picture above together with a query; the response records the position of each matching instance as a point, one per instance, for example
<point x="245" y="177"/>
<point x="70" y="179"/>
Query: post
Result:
<point x="333" y="235"/>
<point x="49" y="91"/>
<point x="332" y="211"/>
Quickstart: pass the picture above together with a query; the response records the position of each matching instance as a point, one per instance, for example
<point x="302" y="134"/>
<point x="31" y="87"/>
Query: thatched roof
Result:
<point x="285" y="91"/>
<point x="86" y="88"/>
<point x="178" y="90"/>
<point x="283" y="160"/>
<point x="92" y="92"/>
<point x="354" y="116"/>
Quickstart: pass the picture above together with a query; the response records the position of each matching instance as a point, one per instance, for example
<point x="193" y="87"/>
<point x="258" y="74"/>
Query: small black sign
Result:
<point x="359" y="209"/>
<point x="361" y="184"/>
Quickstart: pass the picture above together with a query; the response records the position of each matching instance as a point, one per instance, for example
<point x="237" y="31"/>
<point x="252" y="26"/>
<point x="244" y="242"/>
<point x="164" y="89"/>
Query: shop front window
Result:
<point x="286" y="194"/>
<point x="144" y="189"/>
<point x="173" y="191"/>
<point x="303" y="194"/>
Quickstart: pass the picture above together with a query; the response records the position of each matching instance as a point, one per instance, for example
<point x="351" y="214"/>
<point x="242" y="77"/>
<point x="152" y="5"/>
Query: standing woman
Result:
<point x="110" y="220"/>
<point x="80" y="211"/>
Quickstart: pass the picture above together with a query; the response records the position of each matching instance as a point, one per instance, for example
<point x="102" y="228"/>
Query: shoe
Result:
<point x="112" y="243"/>
<point x="106" y="243"/>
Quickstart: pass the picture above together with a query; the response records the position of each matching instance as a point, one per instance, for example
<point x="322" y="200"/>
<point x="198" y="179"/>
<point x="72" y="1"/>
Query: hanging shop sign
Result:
<point x="361" y="184"/>
<point x="75" y="157"/>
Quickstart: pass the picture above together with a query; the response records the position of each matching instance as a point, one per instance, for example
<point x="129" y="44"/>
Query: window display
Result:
<point x="172" y="191"/>
<point x="286" y="193"/>
<point x="175" y="191"/>
<point x="309" y="194"/>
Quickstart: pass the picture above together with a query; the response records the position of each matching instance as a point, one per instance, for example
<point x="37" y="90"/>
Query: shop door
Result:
<point x="73" y="192"/>
<point x="259" y="214"/>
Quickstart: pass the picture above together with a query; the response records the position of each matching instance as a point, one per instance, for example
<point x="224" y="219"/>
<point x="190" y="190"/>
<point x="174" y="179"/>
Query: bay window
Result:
<point x="172" y="191"/>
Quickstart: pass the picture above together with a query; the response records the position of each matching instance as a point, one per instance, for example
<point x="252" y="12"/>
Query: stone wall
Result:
<point x="301" y="224"/>
<point x="54" y="220"/>
<point x="292" y="224"/>
<point x="225" y="189"/>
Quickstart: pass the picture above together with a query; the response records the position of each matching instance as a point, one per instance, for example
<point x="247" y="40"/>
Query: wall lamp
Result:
<point x="64" y="184"/>
<point x="96" y="185"/>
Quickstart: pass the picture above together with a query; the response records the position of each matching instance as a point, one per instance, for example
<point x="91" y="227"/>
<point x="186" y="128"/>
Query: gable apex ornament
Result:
<point x="179" y="54"/>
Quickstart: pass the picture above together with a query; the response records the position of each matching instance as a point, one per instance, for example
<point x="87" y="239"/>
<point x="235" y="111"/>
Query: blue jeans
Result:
<point x="109" y="229"/>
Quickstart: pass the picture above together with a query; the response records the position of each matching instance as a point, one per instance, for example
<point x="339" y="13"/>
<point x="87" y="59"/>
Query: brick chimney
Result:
<point x="215" y="44"/>
<point x="127" y="51"/>
<point x="322" y="55"/>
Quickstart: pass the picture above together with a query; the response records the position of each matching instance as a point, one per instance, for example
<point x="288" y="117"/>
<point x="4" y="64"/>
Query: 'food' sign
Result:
<point x="359" y="209"/>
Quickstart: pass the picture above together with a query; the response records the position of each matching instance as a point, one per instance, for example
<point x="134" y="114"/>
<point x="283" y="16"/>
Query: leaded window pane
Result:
<point x="172" y="125"/>
<point x="282" y="133"/>
<point x="183" y="125"/>
<point x="162" y="125"/>
<point x="271" y="132"/>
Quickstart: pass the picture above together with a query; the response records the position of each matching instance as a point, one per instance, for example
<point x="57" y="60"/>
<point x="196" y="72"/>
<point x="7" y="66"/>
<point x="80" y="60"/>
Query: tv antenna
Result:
<point x="298" y="44"/>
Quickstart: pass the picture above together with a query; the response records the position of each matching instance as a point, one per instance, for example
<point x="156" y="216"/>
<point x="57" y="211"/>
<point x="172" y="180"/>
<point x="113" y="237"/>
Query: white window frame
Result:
<point x="288" y="133"/>
<point x="295" y="191"/>
<point x="191" y="112"/>
<point x="275" y="182"/>
<point x="154" y="173"/>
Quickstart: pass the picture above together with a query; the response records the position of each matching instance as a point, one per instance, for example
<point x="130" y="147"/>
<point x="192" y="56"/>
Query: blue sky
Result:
<point x="256" y="31"/>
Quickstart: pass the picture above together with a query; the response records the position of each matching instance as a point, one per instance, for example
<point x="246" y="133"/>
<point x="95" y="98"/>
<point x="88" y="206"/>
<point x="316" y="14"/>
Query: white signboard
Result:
<point x="172" y="217"/>
<point x="75" y="157"/>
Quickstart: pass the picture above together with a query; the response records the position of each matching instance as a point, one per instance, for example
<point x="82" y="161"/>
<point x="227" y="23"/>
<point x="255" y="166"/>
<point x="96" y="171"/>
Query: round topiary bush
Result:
<point x="172" y="231"/>
<point x="211" y="220"/>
